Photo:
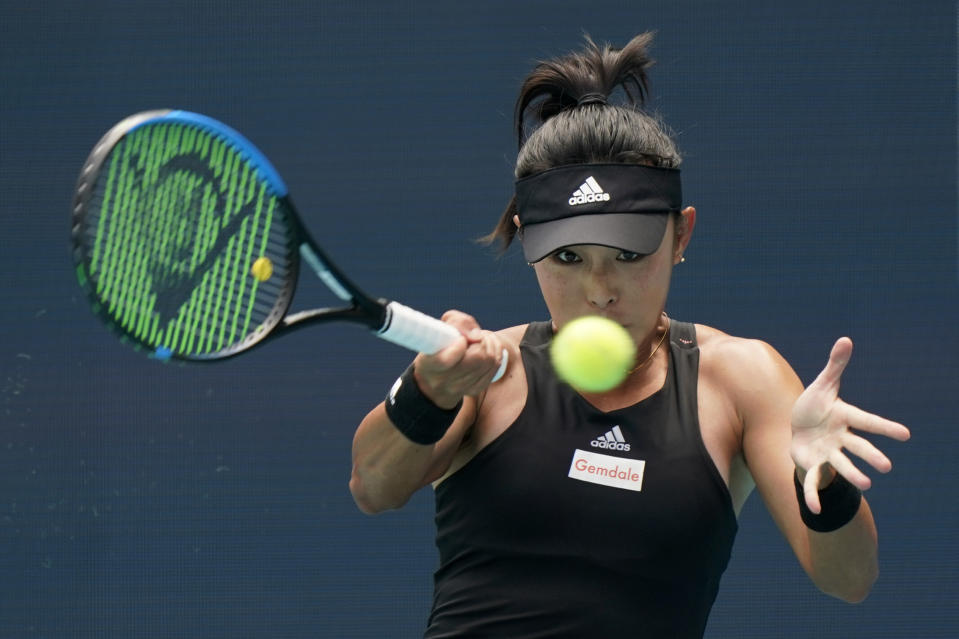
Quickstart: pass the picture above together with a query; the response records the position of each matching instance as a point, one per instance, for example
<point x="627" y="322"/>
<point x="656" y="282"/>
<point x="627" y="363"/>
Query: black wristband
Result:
<point x="839" y="503"/>
<point x="414" y="415"/>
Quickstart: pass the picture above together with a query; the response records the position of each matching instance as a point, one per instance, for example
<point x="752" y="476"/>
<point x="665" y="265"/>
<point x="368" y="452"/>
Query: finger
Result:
<point x="859" y="419"/>
<point x="500" y="357"/>
<point x="462" y="321"/>
<point x="487" y="354"/>
<point x="483" y="360"/>
<point x="865" y="450"/>
<point x="810" y="487"/>
<point x="838" y="359"/>
<point x="494" y="348"/>
<point x="848" y="470"/>
<point x="443" y="360"/>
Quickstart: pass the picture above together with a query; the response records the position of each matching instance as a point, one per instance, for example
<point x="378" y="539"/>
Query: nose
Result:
<point x="602" y="301"/>
<point x="600" y="290"/>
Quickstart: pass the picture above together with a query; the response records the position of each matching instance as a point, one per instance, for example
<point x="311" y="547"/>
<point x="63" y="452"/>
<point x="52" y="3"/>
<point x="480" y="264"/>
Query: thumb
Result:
<point x="838" y="359"/>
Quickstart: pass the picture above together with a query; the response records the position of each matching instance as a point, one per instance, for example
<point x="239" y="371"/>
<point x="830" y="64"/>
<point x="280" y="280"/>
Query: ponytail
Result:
<point x="579" y="79"/>
<point x="565" y="115"/>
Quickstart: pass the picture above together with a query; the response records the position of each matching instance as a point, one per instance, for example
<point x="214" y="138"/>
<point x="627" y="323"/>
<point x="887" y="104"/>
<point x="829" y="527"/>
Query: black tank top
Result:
<point x="580" y="523"/>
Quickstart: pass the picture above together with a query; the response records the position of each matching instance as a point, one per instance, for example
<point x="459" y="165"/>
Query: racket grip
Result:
<point x="419" y="332"/>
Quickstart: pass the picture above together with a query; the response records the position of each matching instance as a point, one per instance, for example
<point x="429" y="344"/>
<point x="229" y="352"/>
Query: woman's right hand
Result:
<point x="465" y="367"/>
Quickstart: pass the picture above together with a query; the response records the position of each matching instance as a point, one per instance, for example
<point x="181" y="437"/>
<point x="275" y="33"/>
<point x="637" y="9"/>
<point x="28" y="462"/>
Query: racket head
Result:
<point x="171" y="212"/>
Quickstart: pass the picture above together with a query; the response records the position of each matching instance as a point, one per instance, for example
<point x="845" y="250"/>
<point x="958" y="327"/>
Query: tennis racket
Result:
<point x="189" y="247"/>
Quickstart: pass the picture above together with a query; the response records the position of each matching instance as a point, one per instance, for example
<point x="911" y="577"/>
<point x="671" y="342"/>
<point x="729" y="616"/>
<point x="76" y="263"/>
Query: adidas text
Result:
<point x="588" y="191"/>
<point x="612" y="440"/>
<point x="592" y="197"/>
<point x="602" y="443"/>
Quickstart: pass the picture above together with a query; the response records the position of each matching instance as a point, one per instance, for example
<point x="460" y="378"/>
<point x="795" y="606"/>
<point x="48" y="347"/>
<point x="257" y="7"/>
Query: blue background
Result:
<point x="143" y="500"/>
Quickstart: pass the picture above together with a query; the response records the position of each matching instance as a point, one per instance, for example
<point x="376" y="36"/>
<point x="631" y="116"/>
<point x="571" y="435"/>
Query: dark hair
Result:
<point x="563" y="117"/>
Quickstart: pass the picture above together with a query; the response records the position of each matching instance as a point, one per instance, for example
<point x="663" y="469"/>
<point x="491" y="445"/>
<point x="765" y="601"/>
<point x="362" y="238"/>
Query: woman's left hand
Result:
<point x="822" y="431"/>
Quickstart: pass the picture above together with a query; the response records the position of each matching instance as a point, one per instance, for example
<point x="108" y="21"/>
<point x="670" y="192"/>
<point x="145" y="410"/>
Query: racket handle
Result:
<point x="419" y="332"/>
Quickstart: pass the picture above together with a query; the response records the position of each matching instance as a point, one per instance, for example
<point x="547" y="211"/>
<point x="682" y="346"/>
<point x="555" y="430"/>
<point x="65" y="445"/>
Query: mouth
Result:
<point x="610" y="316"/>
<point x="614" y="317"/>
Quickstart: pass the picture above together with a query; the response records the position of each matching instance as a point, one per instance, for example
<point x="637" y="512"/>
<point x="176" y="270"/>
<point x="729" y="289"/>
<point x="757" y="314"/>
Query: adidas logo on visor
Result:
<point x="588" y="191"/>
<point x="612" y="440"/>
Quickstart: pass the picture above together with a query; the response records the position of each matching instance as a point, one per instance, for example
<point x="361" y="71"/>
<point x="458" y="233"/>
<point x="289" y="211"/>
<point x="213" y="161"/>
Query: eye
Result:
<point x="565" y="256"/>
<point x="629" y="256"/>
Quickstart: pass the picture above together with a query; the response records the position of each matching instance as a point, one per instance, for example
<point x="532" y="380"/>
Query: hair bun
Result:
<point x="592" y="74"/>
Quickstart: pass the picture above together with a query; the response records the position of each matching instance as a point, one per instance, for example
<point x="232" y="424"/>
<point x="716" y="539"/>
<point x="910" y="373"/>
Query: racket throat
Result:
<point x="325" y="273"/>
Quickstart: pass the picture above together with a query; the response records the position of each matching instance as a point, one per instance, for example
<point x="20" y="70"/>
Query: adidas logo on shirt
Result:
<point x="612" y="440"/>
<point x="589" y="191"/>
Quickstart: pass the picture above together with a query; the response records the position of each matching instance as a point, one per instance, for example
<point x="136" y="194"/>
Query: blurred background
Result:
<point x="154" y="501"/>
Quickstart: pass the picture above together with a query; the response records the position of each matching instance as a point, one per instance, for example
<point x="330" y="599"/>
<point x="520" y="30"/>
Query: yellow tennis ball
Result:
<point x="592" y="354"/>
<point x="262" y="269"/>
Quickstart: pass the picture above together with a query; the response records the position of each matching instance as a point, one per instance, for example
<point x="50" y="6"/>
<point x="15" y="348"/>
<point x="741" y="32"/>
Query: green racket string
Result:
<point x="174" y="223"/>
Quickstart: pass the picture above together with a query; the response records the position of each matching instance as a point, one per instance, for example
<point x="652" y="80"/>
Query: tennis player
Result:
<point x="566" y="514"/>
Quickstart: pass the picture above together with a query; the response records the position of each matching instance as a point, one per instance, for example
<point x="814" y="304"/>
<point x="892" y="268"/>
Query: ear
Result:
<point x="684" y="232"/>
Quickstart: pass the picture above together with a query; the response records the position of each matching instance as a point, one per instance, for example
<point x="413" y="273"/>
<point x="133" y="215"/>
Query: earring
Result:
<point x="682" y="258"/>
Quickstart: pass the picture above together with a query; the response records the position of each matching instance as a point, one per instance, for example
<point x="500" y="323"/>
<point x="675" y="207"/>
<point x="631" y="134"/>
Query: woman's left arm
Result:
<point x="792" y="434"/>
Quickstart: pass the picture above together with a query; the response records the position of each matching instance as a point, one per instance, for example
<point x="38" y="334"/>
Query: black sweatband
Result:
<point x="839" y="502"/>
<point x="414" y="415"/>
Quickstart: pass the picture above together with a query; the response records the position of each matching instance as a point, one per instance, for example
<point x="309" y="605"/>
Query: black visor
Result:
<point x="623" y="206"/>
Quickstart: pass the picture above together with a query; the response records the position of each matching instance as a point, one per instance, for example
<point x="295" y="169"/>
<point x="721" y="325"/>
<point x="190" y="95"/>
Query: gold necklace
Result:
<point x="655" y="350"/>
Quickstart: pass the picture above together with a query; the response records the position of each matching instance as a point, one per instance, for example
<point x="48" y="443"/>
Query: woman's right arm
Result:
<point x="388" y="467"/>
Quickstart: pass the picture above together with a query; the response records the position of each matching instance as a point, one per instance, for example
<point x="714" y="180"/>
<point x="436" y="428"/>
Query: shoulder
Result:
<point x="513" y="383"/>
<point x="745" y="368"/>
<point x="729" y="353"/>
<point x="513" y="335"/>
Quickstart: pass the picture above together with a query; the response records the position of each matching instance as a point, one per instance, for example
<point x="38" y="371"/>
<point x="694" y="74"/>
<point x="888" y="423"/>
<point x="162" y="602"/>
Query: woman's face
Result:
<point x="629" y="288"/>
